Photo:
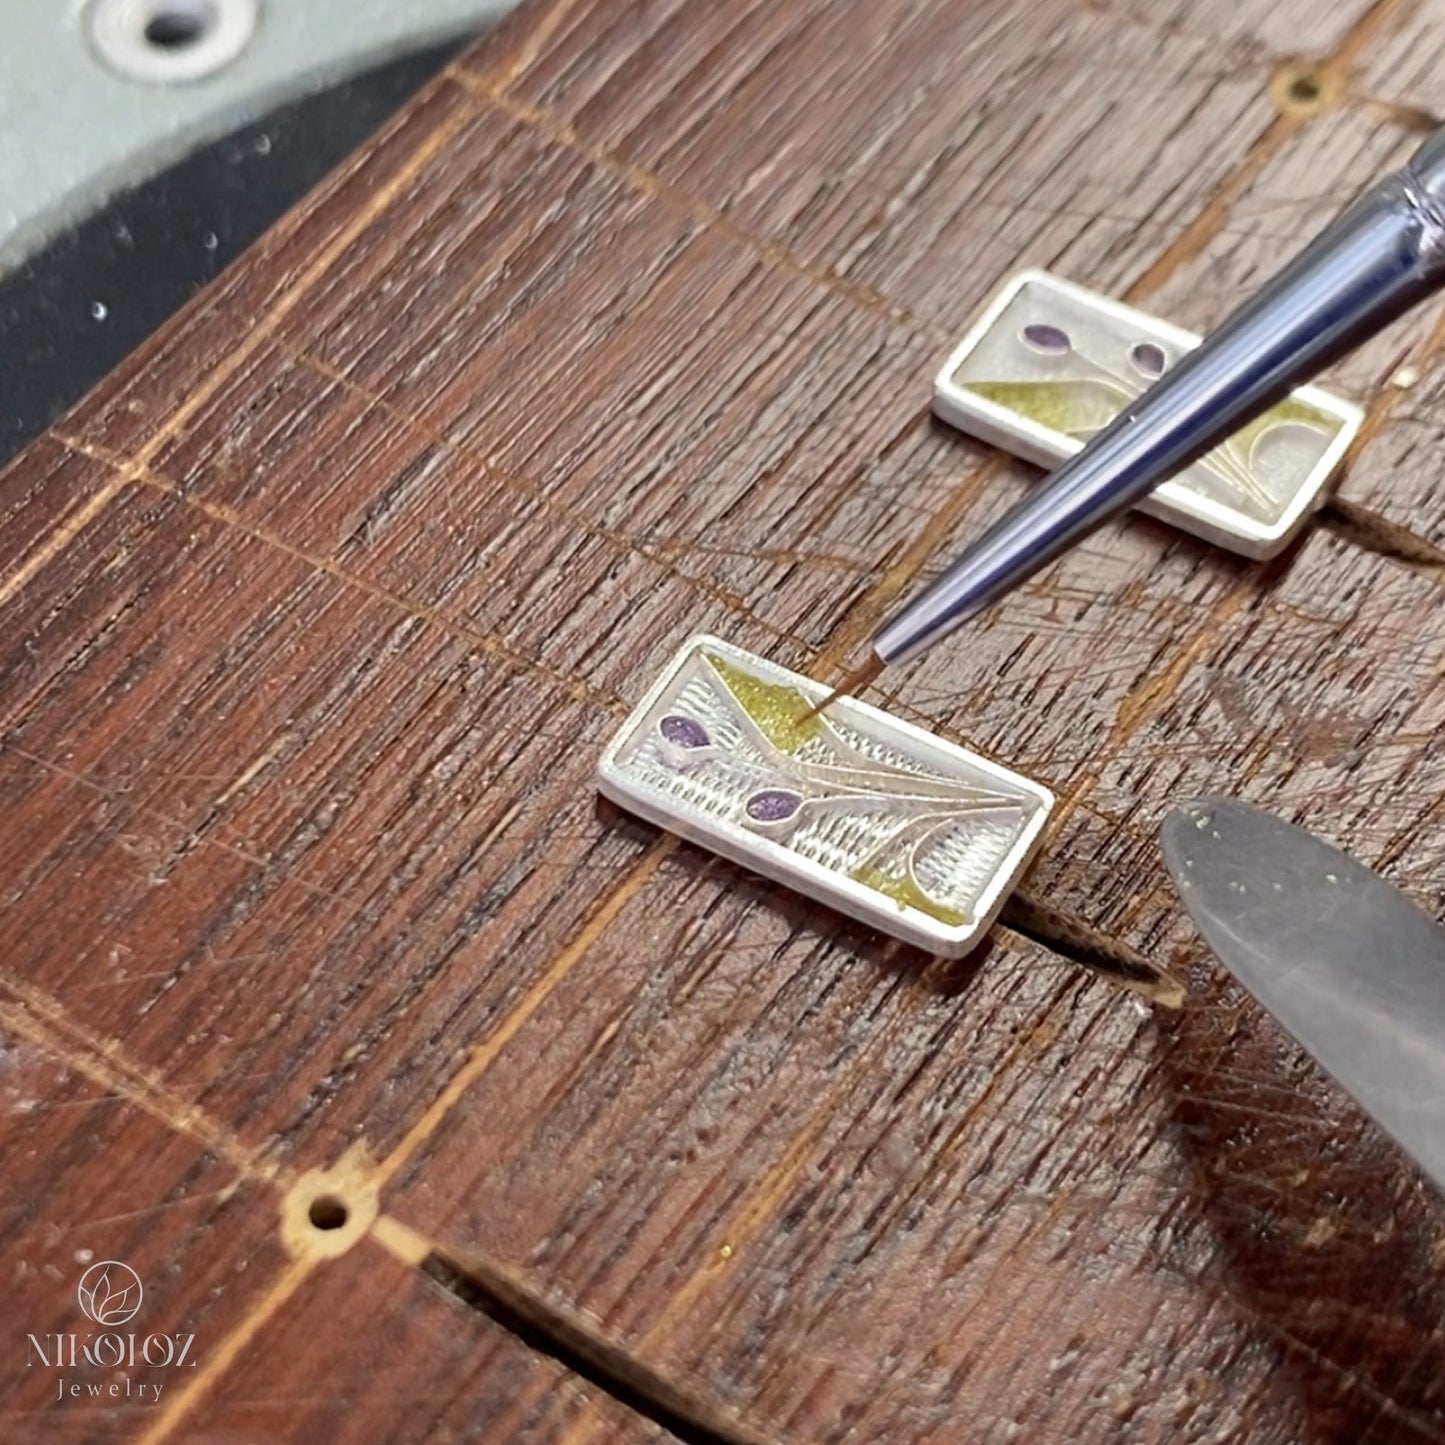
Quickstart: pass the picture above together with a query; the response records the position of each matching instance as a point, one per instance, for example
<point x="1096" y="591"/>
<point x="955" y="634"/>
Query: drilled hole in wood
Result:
<point x="328" y="1212"/>
<point x="1301" y="88"/>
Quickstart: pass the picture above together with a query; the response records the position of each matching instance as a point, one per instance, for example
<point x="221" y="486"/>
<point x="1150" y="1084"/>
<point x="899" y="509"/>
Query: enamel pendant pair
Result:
<point x="867" y="813"/>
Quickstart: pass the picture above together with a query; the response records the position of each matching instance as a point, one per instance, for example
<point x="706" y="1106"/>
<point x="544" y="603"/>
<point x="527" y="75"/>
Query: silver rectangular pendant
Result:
<point x="862" y="811"/>
<point x="1049" y="364"/>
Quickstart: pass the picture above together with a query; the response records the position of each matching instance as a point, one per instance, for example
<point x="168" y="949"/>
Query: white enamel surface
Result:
<point x="868" y="785"/>
<point x="1292" y="466"/>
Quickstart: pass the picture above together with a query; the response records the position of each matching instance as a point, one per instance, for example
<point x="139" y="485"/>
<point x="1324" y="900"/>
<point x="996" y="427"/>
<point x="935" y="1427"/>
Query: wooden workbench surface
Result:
<point x="438" y="1099"/>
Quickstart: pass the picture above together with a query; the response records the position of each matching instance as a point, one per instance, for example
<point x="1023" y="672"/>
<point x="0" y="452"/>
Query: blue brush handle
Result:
<point x="1384" y="254"/>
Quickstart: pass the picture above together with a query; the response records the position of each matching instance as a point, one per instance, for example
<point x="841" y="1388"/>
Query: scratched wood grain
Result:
<point x="411" y="1364"/>
<point x="317" y="613"/>
<point x="92" y="1176"/>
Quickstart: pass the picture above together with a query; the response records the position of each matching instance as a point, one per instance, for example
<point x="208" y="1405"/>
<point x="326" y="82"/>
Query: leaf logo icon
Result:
<point x="109" y="1292"/>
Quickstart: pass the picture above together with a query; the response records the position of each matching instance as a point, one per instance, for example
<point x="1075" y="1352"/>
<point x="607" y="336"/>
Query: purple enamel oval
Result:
<point x="773" y="805"/>
<point x="1148" y="359"/>
<point x="1051" y="340"/>
<point x="683" y="732"/>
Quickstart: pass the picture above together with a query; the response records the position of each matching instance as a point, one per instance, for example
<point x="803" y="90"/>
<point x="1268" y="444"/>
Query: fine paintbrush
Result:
<point x="1383" y="254"/>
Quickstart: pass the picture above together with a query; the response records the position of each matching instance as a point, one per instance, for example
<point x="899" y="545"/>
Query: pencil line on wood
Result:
<point x="61" y="535"/>
<point x="508" y="70"/>
<point x="761" y="1203"/>
<point x="1210" y="220"/>
<point x="220" y="1356"/>
<point x="43" y="1021"/>
<point x="868" y="610"/>
<point x="489" y="643"/>
<point x="484" y="1054"/>
<point x="546" y="498"/>
<point x="1004" y="1080"/>
<point x="775" y="253"/>
<point x="753" y="1210"/>
<point x="148" y="810"/>
<point x="315" y="270"/>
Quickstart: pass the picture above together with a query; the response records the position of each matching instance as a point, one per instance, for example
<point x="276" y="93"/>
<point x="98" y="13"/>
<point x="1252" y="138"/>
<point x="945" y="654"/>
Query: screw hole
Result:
<point x="169" y="42"/>
<point x="1304" y="89"/>
<point x="178" y="25"/>
<point x="328" y="1212"/>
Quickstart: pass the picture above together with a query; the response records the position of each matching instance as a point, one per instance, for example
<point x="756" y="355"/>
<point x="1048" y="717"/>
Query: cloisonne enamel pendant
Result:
<point x="855" y="808"/>
<point x="1050" y="363"/>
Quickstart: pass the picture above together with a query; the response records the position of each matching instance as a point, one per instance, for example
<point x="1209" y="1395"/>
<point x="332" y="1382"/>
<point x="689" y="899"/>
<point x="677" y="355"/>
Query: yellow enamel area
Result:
<point x="779" y="711"/>
<point x="1081" y="407"/>
<point x="1300" y="413"/>
<point x="1063" y="406"/>
<point x="906" y="893"/>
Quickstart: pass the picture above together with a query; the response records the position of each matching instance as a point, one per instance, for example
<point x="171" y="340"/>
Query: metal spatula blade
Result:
<point x="1344" y="960"/>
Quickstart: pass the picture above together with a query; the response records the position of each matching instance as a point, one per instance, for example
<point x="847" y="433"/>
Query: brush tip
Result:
<point x="854" y="682"/>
